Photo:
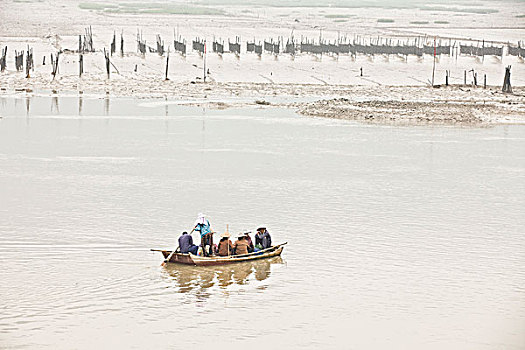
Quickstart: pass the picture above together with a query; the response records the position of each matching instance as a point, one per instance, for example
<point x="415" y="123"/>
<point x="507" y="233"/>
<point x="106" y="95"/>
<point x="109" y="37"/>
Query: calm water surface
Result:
<point x="399" y="237"/>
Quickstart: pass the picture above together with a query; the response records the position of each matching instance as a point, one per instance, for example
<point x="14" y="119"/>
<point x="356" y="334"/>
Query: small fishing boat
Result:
<point x="190" y="259"/>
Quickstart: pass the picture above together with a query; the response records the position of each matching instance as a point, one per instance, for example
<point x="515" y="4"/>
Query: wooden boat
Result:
<point x="190" y="259"/>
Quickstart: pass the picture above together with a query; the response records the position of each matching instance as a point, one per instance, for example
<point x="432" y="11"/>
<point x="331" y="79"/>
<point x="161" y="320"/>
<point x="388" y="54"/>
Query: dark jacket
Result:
<point x="240" y="247"/>
<point x="185" y="243"/>
<point x="264" y="239"/>
<point x="225" y="247"/>
<point x="248" y="239"/>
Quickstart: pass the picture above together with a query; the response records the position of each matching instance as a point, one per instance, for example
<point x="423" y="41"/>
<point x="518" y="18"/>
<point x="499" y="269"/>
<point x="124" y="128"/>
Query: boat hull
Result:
<point x="190" y="259"/>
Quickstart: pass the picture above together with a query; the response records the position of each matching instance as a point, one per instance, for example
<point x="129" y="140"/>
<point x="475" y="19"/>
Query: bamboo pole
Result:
<point x="167" y="64"/>
<point x="434" y="64"/>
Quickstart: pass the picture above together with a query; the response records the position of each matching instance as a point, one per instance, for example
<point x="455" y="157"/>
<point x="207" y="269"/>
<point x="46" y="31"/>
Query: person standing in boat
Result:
<point x="241" y="245"/>
<point x="263" y="239"/>
<point x="225" y="247"/>
<point x="202" y="225"/>
<point x="186" y="244"/>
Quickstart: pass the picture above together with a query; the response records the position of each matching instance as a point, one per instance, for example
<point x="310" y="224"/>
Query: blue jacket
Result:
<point x="185" y="243"/>
<point x="203" y="228"/>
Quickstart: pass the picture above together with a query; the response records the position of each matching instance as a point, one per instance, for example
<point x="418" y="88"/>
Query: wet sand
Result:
<point x="452" y="105"/>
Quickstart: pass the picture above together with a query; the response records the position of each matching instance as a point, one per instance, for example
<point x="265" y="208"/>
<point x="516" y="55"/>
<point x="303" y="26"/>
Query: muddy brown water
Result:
<point x="399" y="237"/>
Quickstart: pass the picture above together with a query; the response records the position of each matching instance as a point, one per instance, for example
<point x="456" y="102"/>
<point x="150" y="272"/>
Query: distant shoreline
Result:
<point x="380" y="68"/>
<point x="411" y="105"/>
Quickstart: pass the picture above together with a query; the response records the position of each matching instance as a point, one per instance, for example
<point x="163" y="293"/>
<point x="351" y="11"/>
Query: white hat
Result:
<point x="201" y="219"/>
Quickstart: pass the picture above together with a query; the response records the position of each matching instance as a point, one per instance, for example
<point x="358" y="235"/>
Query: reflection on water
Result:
<point x="106" y="106"/>
<point x="198" y="279"/>
<point x="54" y="105"/>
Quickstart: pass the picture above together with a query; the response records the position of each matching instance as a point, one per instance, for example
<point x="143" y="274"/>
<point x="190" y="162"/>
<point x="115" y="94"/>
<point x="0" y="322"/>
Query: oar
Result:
<point x="173" y="252"/>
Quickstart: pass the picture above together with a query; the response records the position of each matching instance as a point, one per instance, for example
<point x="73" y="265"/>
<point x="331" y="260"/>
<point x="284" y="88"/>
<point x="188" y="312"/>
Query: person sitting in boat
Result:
<point x="241" y="245"/>
<point x="263" y="240"/>
<point x="225" y="247"/>
<point x="250" y="242"/>
<point x="202" y="225"/>
<point x="186" y="244"/>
